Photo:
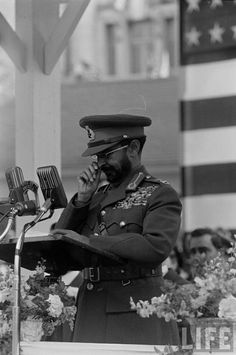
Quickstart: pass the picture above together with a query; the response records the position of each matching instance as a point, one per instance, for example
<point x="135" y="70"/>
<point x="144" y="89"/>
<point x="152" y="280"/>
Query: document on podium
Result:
<point x="61" y="251"/>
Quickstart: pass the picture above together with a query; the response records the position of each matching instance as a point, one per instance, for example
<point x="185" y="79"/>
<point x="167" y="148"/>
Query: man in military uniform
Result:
<point x="135" y="217"/>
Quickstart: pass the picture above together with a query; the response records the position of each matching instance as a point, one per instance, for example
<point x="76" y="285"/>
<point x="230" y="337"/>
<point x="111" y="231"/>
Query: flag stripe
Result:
<point x="209" y="80"/>
<point x="217" y="55"/>
<point x="210" y="210"/>
<point x="208" y="113"/>
<point x="209" y="146"/>
<point x="209" y="179"/>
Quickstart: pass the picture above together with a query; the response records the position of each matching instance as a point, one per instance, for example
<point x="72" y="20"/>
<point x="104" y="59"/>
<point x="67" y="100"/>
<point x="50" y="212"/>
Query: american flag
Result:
<point x="208" y="30"/>
<point x="208" y="112"/>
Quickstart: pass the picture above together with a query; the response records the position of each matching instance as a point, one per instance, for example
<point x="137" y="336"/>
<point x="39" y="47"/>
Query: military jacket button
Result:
<point x="122" y="224"/>
<point x="89" y="286"/>
<point x="103" y="213"/>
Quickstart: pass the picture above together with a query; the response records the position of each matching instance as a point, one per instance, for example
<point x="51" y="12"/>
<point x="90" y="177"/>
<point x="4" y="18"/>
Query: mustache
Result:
<point x="105" y="167"/>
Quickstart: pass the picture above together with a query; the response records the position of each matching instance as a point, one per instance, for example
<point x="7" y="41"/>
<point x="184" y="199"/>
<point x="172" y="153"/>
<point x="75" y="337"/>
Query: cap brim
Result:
<point x="95" y="150"/>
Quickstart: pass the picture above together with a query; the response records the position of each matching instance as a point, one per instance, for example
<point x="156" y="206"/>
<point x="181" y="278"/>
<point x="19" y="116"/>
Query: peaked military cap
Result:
<point x="105" y="131"/>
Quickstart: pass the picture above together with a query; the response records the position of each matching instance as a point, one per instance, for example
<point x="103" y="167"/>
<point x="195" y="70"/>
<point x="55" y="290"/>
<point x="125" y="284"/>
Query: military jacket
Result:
<point x="138" y="221"/>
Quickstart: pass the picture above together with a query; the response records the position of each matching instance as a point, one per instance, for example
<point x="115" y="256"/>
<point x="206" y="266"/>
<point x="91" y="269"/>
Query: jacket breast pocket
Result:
<point x="90" y="222"/>
<point x="126" y="221"/>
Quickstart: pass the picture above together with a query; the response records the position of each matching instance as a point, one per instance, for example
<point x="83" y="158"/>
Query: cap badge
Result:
<point x="90" y="132"/>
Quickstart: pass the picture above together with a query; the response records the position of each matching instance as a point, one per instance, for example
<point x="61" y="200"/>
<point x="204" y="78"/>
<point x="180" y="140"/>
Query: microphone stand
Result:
<point x="17" y="278"/>
<point x="10" y="222"/>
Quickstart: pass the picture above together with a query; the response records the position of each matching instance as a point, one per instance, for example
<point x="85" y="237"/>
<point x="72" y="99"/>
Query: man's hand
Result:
<point x="88" y="182"/>
<point x="70" y="233"/>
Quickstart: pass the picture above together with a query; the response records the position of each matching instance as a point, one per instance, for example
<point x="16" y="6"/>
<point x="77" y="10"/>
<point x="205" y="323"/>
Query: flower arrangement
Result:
<point x="40" y="300"/>
<point x="212" y="294"/>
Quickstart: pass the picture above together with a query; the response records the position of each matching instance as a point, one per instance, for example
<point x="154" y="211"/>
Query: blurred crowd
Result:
<point x="197" y="246"/>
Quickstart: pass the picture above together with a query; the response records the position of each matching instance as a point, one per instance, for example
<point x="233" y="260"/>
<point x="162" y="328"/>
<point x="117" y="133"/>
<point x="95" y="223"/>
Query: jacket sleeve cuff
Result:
<point x="77" y="203"/>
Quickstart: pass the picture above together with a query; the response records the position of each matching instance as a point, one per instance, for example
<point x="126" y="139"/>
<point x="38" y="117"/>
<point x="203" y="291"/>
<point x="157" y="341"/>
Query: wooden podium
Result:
<point x="62" y="252"/>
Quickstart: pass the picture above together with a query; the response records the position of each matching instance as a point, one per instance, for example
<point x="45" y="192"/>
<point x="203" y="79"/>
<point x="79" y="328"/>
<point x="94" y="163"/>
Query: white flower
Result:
<point x="143" y="308"/>
<point x="232" y="271"/>
<point x="24" y="289"/>
<point x="211" y="282"/>
<point x="168" y="316"/>
<point x="200" y="282"/>
<point x="231" y="259"/>
<point x="145" y="312"/>
<point x="31" y="329"/>
<point x="70" y="310"/>
<point x="227" y="308"/>
<point x="72" y="291"/>
<point x="29" y="301"/>
<point x="164" y="269"/>
<point x="4" y="328"/>
<point x="56" y="305"/>
<point x="4" y="294"/>
<point x="158" y="300"/>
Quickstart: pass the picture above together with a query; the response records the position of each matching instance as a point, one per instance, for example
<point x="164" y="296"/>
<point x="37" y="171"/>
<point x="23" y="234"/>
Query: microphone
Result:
<point x="51" y="186"/>
<point x="18" y="195"/>
<point x="15" y="181"/>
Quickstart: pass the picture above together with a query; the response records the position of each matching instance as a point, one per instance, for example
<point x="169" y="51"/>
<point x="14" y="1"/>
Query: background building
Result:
<point x="122" y="57"/>
<point x="120" y="39"/>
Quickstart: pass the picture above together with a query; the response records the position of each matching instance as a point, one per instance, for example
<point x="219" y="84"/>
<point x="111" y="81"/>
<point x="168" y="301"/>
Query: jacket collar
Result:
<point x="131" y="183"/>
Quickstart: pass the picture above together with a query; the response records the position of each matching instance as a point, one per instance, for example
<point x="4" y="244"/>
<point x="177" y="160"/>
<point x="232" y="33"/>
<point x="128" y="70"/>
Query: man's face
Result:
<point x="201" y="248"/>
<point x="115" y="165"/>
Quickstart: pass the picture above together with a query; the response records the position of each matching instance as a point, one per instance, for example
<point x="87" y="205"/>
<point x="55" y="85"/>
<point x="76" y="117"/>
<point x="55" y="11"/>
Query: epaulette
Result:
<point x="139" y="178"/>
<point x="150" y="178"/>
